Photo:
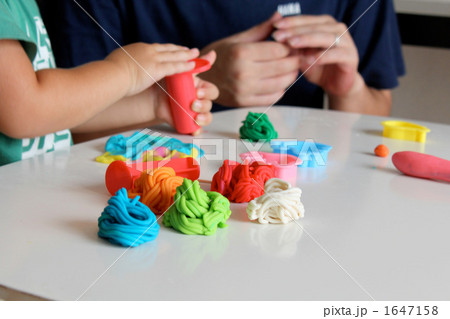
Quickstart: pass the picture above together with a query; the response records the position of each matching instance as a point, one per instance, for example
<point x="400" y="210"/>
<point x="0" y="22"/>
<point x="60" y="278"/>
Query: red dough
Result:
<point x="422" y="165"/>
<point x="221" y="180"/>
<point x="241" y="183"/>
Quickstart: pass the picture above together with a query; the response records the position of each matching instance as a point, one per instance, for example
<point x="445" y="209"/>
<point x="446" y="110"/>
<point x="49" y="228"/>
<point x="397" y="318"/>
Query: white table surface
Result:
<point x="369" y="231"/>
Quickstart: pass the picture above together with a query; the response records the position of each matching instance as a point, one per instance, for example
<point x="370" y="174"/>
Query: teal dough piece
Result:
<point x="127" y="222"/>
<point x="132" y="147"/>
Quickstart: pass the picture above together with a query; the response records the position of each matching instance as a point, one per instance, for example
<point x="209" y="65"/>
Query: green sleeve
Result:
<point x="10" y="30"/>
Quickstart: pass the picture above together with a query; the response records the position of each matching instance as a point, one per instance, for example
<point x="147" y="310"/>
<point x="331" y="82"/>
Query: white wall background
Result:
<point x="424" y="93"/>
<point x="425" y="7"/>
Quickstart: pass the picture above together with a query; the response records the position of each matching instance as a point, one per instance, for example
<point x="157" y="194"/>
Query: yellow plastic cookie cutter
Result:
<point x="405" y="131"/>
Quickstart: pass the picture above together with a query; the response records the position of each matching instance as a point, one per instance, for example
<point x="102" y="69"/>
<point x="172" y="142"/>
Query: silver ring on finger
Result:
<point x="336" y="42"/>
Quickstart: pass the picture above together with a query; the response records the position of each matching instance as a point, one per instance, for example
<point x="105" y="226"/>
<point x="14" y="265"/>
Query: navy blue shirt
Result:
<point x="77" y="39"/>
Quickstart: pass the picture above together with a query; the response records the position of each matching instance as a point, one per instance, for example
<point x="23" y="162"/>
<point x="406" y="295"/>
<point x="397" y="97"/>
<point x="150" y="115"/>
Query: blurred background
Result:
<point x="424" y="93"/>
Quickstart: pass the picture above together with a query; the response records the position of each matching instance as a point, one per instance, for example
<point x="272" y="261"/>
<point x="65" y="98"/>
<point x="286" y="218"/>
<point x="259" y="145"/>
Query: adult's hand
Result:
<point x="329" y="64"/>
<point x="329" y="58"/>
<point x="250" y="70"/>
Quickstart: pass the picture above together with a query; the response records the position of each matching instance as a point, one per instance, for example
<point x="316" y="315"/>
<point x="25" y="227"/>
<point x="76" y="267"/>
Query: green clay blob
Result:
<point x="257" y="127"/>
<point x="197" y="212"/>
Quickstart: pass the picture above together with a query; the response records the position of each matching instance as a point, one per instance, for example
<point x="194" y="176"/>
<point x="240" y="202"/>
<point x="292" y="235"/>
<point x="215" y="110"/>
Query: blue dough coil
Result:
<point x="126" y="221"/>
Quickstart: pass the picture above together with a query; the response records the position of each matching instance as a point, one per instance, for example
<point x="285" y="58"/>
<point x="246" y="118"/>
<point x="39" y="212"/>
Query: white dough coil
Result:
<point x="279" y="204"/>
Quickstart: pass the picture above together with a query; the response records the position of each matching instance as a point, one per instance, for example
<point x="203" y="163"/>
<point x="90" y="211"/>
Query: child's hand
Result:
<point x="149" y="63"/>
<point x="206" y="92"/>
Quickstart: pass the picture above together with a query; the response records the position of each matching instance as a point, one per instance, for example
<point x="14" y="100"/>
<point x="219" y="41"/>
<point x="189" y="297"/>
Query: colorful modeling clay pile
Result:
<point x="127" y="222"/>
<point x="241" y="183"/>
<point x="197" y="212"/>
<point x="156" y="188"/>
<point x="257" y="127"/>
<point x="134" y="147"/>
<point x="280" y="203"/>
<point x="129" y="219"/>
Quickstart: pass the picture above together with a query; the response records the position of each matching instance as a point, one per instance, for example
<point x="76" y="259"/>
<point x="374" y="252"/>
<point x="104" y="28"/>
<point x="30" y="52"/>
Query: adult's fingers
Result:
<point x="259" y="32"/>
<point x="246" y="93"/>
<point x="273" y="68"/>
<point x="315" y="40"/>
<point x="303" y="20"/>
<point x="259" y="51"/>
<point x="336" y="28"/>
<point x="335" y="56"/>
<point x="276" y="84"/>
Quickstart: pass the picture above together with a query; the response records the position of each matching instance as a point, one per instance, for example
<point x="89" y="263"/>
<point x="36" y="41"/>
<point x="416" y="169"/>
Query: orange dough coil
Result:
<point x="156" y="188"/>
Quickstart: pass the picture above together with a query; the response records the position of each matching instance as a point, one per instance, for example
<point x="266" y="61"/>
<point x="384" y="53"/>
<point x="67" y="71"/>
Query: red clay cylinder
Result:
<point x="182" y="93"/>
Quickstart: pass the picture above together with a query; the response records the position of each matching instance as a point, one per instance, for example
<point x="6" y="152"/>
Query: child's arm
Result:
<point x="134" y="112"/>
<point x="36" y="103"/>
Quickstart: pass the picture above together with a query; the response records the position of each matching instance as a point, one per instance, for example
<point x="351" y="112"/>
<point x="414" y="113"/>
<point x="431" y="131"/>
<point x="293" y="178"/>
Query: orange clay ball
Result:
<point x="381" y="150"/>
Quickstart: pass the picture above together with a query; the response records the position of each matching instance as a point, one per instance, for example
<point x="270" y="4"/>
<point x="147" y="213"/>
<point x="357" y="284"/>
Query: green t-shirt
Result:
<point x="21" y="20"/>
